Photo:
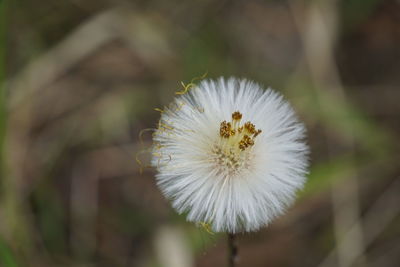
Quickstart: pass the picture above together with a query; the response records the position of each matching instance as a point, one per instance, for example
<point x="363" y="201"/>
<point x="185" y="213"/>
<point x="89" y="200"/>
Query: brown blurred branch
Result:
<point x="145" y="38"/>
<point x="382" y="212"/>
<point x="317" y="24"/>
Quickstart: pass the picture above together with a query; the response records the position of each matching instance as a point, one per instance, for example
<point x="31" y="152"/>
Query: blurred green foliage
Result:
<point x="7" y="257"/>
<point x="88" y="123"/>
<point x="354" y="12"/>
<point x="2" y="78"/>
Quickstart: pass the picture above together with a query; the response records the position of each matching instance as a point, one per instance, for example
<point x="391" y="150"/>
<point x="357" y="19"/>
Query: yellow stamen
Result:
<point x="236" y="115"/>
<point x="188" y="86"/>
<point x="207" y="227"/>
<point x="240" y="136"/>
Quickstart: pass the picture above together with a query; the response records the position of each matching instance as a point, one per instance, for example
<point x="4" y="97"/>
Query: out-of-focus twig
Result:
<point x="379" y="215"/>
<point x="317" y="25"/>
<point x="171" y="247"/>
<point x="33" y="83"/>
<point x="140" y="34"/>
<point x="57" y="60"/>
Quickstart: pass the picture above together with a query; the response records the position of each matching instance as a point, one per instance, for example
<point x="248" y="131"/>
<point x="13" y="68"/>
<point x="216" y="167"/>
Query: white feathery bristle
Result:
<point x="230" y="154"/>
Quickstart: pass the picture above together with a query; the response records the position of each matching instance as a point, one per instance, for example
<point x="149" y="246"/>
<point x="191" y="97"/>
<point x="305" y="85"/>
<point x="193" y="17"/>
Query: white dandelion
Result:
<point x="230" y="154"/>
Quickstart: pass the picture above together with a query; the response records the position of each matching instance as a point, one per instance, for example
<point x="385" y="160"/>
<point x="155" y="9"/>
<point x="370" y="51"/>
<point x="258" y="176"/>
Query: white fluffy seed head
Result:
<point x="230" y="154"/>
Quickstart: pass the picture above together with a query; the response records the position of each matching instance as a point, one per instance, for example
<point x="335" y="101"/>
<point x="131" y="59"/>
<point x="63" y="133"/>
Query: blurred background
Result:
<point x="82" y="78"/>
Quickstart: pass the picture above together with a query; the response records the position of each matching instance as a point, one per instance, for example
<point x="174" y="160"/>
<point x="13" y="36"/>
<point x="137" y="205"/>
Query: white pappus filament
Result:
<point x="230" y="154"/>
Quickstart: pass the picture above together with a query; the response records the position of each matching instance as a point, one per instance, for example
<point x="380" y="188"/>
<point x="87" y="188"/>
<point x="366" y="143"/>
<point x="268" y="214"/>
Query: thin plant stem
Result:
<point x="233" y="250"/>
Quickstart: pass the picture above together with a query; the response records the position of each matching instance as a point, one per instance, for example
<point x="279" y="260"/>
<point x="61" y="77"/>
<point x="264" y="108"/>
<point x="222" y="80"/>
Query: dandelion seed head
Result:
<point x="230" y="154"/>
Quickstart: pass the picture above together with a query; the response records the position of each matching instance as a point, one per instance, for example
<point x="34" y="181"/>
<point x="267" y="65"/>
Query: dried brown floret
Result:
<point x="236" y="115"/>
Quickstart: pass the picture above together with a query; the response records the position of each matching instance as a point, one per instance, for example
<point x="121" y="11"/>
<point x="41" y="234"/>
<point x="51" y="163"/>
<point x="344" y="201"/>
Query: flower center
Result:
<point x="232" y="152"/>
